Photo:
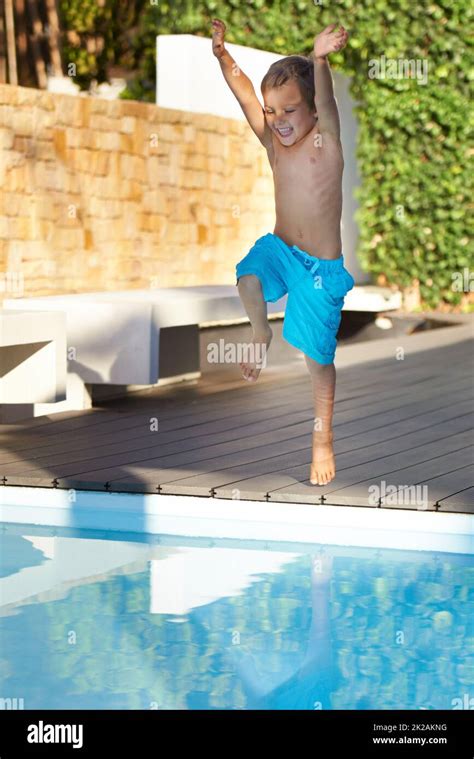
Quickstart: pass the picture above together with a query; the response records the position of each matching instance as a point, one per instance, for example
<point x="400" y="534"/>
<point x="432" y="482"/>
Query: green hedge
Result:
<point x="98" y="34"/>
<point x="413" y="139"/>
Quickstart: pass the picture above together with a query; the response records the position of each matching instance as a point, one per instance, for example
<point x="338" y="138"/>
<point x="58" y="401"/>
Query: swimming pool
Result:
<point x="95" y="620"/>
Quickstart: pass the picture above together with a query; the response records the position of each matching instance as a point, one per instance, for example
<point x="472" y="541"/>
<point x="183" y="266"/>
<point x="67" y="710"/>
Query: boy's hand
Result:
<point x="330" y="40"/>
<point x="218" y="33"/>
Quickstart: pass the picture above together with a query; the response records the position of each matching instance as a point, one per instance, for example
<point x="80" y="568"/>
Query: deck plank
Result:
<point x="293" y="436"/>
<point x="354" y="417"/>
<point x="351" y="483"/>
<point x="137" y="443"/>
<point x="222" y="436"/>
<point x="292" y="477"/>
<point x="456" y="464"/>
<point x="460" y="501"/>
<point x="117" y="426"/>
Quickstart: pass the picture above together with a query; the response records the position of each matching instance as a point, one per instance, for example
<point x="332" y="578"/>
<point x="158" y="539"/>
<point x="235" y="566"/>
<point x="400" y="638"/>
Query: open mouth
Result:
<point x="284" y="131"/>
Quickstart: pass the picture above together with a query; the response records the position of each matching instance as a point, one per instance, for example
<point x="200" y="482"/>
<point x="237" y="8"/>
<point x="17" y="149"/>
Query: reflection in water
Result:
<point x="105" y="624"/>
<point x="310" y="686"/>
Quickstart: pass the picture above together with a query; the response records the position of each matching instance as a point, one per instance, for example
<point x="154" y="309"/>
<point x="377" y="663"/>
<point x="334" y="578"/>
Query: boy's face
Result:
<point x="287" y="113"/>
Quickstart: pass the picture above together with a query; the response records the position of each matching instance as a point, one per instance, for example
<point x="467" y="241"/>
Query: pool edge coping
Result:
<point x="198" y="516"/>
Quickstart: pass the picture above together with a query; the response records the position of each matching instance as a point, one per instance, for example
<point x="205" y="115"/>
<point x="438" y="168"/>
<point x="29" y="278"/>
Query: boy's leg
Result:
<point x="323" y="378"/>
<point x="251" y="295"/>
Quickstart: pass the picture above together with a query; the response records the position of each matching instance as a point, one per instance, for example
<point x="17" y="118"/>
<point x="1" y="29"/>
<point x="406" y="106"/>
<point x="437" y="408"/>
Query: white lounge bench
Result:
<point x="119" y="337"/>
<point x="141" y="337"/>
<point x="33" y="364"/>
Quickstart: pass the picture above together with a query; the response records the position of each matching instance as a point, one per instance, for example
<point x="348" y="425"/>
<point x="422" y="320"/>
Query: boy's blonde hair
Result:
<point x="297" y="67"/>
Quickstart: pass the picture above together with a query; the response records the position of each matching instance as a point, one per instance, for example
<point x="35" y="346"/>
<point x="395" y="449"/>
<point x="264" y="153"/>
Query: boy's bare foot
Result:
<point x="252" y="368"/>
<point x="323" y="466"/>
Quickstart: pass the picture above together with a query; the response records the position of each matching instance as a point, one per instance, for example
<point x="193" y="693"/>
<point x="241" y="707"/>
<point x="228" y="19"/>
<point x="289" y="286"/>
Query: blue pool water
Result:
<point x="87" y="622"/>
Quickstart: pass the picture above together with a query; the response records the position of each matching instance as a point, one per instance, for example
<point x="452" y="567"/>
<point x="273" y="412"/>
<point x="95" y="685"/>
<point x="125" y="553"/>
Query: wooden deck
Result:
<point x="397" y="423"/>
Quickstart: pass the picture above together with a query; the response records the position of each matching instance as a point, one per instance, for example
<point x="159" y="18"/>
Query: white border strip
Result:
<point x="192" y="516"/>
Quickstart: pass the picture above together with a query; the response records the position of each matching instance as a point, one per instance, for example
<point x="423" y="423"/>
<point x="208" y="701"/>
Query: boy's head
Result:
<point x="288" y="95"/>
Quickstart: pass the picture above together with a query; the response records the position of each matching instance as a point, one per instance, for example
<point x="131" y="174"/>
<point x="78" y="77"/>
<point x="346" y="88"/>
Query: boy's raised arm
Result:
<point x="240" y="85"/>
<point x="328" y="41"/>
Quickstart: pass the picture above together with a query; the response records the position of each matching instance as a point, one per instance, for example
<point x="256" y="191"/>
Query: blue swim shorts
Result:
<point x="316" y="290"/>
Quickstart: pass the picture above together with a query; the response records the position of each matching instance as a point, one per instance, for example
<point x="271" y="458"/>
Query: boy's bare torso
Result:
<point x="308" y="193"/>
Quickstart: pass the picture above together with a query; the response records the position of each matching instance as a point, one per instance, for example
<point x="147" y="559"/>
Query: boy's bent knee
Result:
<point x="249" y="280"/>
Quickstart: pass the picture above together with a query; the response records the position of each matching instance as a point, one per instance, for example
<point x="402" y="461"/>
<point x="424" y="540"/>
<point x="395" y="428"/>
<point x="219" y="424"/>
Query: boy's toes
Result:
<point x="314" y="479"/>
<point x="320" y="477"/>
<point x="249" y="373"/>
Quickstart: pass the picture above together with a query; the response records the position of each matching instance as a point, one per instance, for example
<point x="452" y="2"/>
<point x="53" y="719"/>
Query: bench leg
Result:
<point x="178" y="351"/>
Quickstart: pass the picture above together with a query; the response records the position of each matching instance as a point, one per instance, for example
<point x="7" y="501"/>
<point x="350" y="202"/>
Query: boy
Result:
<point x="299" y="127"/>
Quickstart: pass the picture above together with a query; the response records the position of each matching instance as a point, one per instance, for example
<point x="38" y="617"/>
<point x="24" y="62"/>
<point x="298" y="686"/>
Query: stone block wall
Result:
<point x="112" y="194"/>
